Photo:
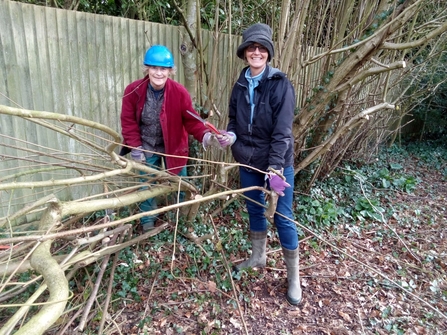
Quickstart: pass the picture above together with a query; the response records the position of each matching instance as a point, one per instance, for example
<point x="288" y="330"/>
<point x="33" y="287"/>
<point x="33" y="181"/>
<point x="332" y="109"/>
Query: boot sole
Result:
<point x="236" y="269"/>
<point x="293" y="301"/>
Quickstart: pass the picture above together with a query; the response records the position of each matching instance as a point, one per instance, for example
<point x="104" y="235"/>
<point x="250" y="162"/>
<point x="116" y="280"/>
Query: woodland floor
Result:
<point x="355" y="294"/>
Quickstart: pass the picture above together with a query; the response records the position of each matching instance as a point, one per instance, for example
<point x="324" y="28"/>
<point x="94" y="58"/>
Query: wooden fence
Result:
<point x="78" y="64"/>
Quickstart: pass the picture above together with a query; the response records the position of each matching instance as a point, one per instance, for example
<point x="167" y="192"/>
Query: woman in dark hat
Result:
<point x="261" y="113"/>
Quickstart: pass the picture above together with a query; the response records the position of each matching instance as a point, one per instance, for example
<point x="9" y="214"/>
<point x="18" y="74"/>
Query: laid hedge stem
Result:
<point x="110" y="286"/>
<point x="220" y="249"/>
<point x="196" y="280"/>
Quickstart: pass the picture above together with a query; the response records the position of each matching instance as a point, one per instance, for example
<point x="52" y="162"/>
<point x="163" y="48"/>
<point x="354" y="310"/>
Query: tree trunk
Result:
<point x="187" y="48"/>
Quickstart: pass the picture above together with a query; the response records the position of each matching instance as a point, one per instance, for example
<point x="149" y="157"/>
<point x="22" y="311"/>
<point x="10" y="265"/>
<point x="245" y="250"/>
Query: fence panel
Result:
<point x="76" y="64"/>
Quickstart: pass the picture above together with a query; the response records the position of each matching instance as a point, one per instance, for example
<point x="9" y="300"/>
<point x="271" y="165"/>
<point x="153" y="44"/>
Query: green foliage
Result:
<point x="430" y="153"/>
<point x="368" y="209"/>
<point x="392" y="180"/>
<point x="26" y="277"/>
<point x="428" y="95"/>
<point x="356" y="192"/>
<point x="126" y="277"/>
<point x="379" y="20"/>
<point x="322" y="212"/>
<point x="243" y="14"/>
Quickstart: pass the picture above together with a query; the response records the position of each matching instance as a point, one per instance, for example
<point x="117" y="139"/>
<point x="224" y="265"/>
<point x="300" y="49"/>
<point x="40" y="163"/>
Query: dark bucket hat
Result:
<point x="257" y="33"/>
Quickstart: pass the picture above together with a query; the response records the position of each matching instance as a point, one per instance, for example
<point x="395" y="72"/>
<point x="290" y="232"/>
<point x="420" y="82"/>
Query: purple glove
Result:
<point x="277" y="184"/>
<point x="218" y="141"/>
<point x="226" y="138"/>
<point x="137" y="154"/>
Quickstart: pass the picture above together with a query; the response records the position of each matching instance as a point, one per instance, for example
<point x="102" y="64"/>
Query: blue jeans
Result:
<point x="287" y="232"/>
<point x="151" y="203"/>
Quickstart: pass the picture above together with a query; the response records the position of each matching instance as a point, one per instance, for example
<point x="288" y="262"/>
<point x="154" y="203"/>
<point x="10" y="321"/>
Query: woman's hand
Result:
<point x="225" y="138"/>
<point x="137" y="154"/>
<point x="277" y="182"/>
<point x="221" y="141"/>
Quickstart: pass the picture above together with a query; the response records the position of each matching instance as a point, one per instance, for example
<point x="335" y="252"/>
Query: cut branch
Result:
<point x="43" y="262"/>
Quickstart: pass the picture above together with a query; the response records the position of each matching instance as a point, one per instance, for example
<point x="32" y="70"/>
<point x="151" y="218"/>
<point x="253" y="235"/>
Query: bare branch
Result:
<point x="413" y="44"/>
<point x="370" y="72"/>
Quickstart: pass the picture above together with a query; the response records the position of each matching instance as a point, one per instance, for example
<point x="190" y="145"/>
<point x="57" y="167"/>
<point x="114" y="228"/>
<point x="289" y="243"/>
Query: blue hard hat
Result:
<point x="158" y="55"/>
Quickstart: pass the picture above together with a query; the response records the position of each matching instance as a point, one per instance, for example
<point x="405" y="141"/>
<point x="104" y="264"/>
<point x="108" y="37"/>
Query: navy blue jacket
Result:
<point x="268" y="140"/>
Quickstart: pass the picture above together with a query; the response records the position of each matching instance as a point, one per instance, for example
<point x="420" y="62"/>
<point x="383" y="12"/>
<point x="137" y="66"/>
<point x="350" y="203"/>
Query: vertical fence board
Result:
<point x="66" y="97"/>
<point x="44" y="66"/>
<point x="85" y="102"/>
<point x="6" y="85"/>
<point x="10" y="53"/>
<point x="4" y="55"/>
<point x="112" y="90"/>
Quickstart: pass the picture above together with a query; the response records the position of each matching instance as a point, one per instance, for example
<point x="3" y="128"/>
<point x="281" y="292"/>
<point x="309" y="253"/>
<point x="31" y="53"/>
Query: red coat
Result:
<point x="175" y="122"/>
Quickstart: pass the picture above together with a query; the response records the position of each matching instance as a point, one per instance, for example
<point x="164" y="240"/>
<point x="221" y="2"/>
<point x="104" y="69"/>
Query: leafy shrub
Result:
<point x="393" y="180"/>
<point x="319" y="211"/>
<point x="368" y="209"/>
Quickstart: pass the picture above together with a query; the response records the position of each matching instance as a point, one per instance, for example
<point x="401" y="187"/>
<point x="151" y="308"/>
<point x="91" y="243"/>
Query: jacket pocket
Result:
<point x="241" y="152"/>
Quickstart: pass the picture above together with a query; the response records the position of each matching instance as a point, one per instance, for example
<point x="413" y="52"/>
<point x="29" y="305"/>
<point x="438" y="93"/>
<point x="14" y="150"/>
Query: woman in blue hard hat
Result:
<point x="261" y="113"/>
<point x="154" y="120"/>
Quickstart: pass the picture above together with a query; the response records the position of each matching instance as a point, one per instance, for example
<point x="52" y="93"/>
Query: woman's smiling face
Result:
<point x="158" y="76"/>
<point x="256" y="56"/>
